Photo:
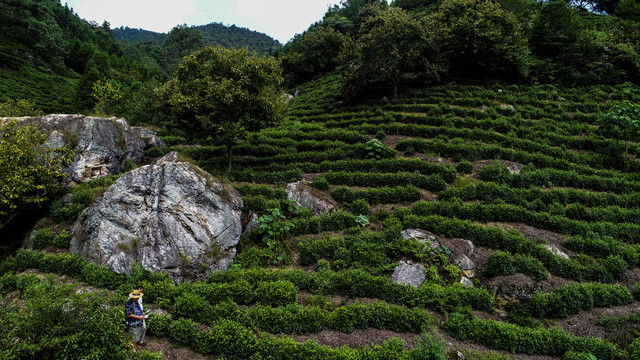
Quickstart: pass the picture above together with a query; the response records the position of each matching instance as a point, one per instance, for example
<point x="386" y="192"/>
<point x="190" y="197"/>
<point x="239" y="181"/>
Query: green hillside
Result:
<point x="511" y="168"/>
<point x="507" y="132"/>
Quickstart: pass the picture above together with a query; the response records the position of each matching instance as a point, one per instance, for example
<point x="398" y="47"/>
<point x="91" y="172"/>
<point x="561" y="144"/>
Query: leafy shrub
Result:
<point x="410" y="151"/>
<point x="278" y="293"/>
<point x="464" y="167"/>
<point x="228" y="339"/>
<point x="154" y="152"/>
<point x="183" y="332"/>
<point x="381" y="134"/>
<point x="498" y="335"/>
<point x="159" y="324"/>
<point x="430" y="346"/>
<point x="189" y="305"/>
<point x="501" y="263"/>
<point x="633" y="350"/>
<point x="360" y="207"/>
<point x="320" y="183"/>
<point x="63" y="240"/>
<point x="42" y="238"/>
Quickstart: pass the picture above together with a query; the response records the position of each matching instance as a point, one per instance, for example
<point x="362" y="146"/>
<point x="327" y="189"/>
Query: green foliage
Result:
<point x="390" y="43"/>
<point x="45" y="327"/>
<point x="622" y="122"/>
<point x="42" y="238"/>
<point x="227" y="338"/>
<point x="311" y="53"/>
<point x="360" y="207"/>
<point x="274" y="228"/>
<point x="633" y="350"/>
<point x="376" y="149"/>
<point x="106" y="94"/>
<point x="320" y="183"/>
<point x="501" y="263"/>
<point x="183" y="332"/>
<point x="464" y="167"/>
<point x="513" y="338"/>
<point x="481" y="38"/>
<point x="14" y="108"/>
<point x="278" y="293"/>
<point x="224" y="93"/>
<point x="29" y="171"/>
<point x="430" y="346"/>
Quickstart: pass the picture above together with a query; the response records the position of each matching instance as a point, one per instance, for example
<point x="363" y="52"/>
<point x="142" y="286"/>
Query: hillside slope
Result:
<point x="518" y="196"/>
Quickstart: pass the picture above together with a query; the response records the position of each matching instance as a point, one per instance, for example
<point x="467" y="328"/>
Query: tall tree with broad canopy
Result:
<point x="390" y="44"/>
<point x="480" y="37"/>
<point x="225" y="93"/>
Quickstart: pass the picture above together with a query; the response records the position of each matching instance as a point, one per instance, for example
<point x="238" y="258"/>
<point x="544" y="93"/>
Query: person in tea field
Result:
<point x="144" y="321"/>
<point x="135" y="318"/>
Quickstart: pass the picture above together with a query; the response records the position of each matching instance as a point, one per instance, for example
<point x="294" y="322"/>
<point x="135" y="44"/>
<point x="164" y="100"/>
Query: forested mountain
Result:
<point x="138" y="35"/>
<point x="212" y="34"/>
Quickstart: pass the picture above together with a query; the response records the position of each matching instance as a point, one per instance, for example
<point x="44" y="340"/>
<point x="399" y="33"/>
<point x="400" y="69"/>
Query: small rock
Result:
<point x="150" y="137"/>
<point x="507" y="107"/>
<point x="422" y="236"/>
<point x="460" y="356"/>
<point x="556" y="251"/>
<point x="310" y="198"/>
<point x="252" y="224"/>
<point x="409" y="274"/>
<point x="466" y="282"/>
<point x="471" y="247"/>
<point x="463" y="263"/>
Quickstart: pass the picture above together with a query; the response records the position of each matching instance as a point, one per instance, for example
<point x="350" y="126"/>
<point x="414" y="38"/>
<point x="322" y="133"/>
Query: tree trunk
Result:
<point x="229" y="157"/>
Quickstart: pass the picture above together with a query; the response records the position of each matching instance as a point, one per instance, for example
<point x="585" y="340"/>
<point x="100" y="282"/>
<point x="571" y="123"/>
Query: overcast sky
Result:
<point x="280" y="19"/>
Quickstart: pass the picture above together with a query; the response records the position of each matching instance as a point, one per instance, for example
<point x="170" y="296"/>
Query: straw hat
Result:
<point x="135" y="294"/>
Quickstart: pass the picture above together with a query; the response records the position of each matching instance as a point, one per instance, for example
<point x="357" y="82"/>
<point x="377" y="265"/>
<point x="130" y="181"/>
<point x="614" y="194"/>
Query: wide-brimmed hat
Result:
<point x="135" y="294"/>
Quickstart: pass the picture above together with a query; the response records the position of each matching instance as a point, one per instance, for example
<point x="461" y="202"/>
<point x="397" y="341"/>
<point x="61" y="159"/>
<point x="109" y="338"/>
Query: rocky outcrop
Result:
<point x="422" y="236"/>
<point x="101" y="145"/>
<point x="409" y="274"/>
<point x="170" y="217"/>
<point x="149" y="136"/>
<point x="308" y="197"/>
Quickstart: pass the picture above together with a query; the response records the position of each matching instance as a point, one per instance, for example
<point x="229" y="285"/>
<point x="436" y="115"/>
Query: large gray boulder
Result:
<point x="101" y="145"/>
<point x="310" y="198"/>
<point x="170" y="217"/>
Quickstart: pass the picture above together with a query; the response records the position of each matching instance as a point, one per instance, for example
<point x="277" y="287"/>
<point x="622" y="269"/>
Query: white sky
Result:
<point x="280" y="19"/>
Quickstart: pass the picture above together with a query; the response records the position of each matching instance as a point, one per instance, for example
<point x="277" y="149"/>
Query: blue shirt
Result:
<point x="133" y="308"/>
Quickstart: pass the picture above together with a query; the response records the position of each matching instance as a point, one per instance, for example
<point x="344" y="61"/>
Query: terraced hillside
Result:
<point x="529" y="224"/>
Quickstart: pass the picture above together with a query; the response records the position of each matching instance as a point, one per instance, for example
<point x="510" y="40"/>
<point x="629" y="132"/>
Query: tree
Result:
<point x="481" y="38"/>
<point x="390" y="44"/>
<point x="312" y="53"/>
<point x="622" y="122"/>
<point x="555" y="30"/>
<point x="29" y="169"/>
<point x="225" y="93"/>
<point x="106" y="93"/>
<point x="181" y="41"/>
